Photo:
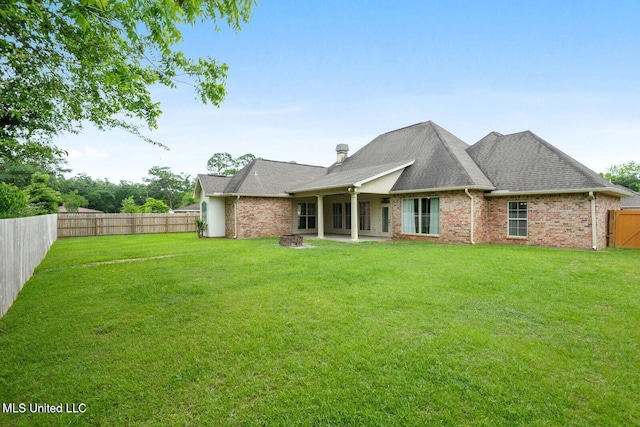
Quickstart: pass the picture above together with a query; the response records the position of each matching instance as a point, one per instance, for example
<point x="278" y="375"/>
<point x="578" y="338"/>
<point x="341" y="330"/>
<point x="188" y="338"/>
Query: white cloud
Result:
<point x="93" y="153"/>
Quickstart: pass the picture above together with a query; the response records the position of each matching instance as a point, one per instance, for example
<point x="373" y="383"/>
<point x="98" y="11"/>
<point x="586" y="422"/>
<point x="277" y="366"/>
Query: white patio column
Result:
<point x="354" y="214"/>
<point x="320" y="217"/>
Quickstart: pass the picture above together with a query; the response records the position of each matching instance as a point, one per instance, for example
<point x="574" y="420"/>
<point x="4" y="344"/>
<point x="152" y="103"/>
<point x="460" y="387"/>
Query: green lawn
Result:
<point x="195" y="331"/>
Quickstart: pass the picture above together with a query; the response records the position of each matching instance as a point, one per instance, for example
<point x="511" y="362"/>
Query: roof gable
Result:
<point x="210" y="184"/>
<point x="340" y="178"/>
<point x="523" y="162"/>
<point x="439" y="159"/>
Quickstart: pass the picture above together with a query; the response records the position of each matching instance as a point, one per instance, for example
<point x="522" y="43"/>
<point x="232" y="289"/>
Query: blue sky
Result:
<point x="306" y="76"/>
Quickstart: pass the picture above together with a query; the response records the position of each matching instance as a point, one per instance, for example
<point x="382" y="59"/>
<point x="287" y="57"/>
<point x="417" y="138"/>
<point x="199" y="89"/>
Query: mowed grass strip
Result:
<point x="175" y="330"/>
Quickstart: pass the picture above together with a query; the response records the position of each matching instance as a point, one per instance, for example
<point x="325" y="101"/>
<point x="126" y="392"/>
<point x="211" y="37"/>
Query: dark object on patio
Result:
<point x="293" y="240"/>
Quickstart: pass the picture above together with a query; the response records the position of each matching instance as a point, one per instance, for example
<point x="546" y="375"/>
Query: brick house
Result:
<point x="420" y="182"/>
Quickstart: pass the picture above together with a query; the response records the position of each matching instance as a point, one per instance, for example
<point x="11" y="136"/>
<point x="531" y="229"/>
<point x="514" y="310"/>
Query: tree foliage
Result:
<point x="226" y="164"/>
<point x="44" y="199"/>
<point x="129" y="206"/>
<point x="72" y="201"/>
<point x="13" y="202"/>
<point x="166" y="185"/>
<point x="66" y="62"/>
<point x="626" y="174"/>
<point x="154" y="206"/>
<point x="18" y="171"/>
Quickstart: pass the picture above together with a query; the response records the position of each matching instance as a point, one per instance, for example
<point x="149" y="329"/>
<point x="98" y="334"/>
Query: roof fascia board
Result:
<point x="380" y="175"/>
<point x="501" y="193"/>
<point x="356" y="184"/>
<point x="284" y="196"/>
<point x="198" y="186"/>
<point x="281" y="195"/>
<point x="323" y="191"/>
<point x="459" y="188"/>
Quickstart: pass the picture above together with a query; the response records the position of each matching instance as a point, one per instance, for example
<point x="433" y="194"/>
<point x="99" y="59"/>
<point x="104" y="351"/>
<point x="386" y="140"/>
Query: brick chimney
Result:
<point x="342" y="150"/>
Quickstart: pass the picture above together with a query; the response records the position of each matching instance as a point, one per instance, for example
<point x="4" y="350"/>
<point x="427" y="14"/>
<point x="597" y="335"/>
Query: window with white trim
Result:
<point x="518" y="219"/>
<point x="421" y="215"/>
<point x="203" y="211"/>
<point x="306" y="216"/>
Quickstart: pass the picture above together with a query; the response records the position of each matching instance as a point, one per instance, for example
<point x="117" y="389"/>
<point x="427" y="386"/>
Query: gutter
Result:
<point x="471" y="226"/>
<point x="439" y="189"/>
<point x="594" y="234"/>
<point x="235" y="217"/>
<point x="605" y="190"/>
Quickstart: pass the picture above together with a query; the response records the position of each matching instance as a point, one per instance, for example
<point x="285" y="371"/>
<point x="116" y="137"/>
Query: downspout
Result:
<point x="235" y="217"/>
<point x="466" y="191"/>
<point x="594" y="234"/>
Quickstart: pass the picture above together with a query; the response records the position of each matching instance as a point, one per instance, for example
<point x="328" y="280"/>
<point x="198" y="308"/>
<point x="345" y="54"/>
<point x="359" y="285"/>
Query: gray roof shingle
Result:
<point x="439" y="159"/>
<point x="632" y="202"/>
<point x="433" y="159"/>
<point x="268" y="177"/>
<point x="345" y="178"/>
<point x="524" y="162"/>
<point x="212" y="184"/>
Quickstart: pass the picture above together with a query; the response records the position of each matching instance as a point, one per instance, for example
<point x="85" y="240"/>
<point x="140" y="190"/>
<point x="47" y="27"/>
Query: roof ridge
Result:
<point x="405" y="127"/>
<point x="448" y="149"/>
<point x="289" y="163"/>
<point x="568" y="160"/>
<point x="239" y="177"/>
<point x="215" y="175"/>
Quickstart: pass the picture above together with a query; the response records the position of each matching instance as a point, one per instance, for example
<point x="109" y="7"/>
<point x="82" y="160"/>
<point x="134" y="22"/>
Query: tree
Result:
<point x="626" y="174"/>
<point x="225" y="164"/>
<point x="17" y="167"/>
<point x="99" y="193"/>
<point x="64" y="62"/>
<point x="188" y="200"/>
<point x="154" y="206"/>
<point x="167" y="186"/>
<point x="72" y="201"/>
<point x="13" y="202"/>
<point x="129" y="206"/>
<point x="44" y="199"/>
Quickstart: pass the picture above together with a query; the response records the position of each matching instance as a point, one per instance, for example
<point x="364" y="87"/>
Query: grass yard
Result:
<point x="174" y="330"/>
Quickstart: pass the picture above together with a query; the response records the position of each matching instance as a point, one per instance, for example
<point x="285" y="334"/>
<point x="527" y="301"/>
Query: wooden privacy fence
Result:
<point x="24" y="242"/>
<point x="78" y="225"/>
<point x="624" y="229"/>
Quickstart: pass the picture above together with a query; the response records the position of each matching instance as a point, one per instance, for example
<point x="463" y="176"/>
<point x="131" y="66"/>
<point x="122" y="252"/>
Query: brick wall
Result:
<point x="557" y="220"/>
<point x="554" y="220"/>
<point x="455" y="217"/>
<point x="262" y="216"/>
<point x="604" y="204"/>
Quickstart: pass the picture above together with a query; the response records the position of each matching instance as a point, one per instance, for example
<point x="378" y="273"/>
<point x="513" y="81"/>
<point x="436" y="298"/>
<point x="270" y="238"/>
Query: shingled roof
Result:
<point x="632" y="202"/>
<point x="340" y="178"/>
<point x="437" y="159"/>
<point x="525" y="163"/>
<point x="212" y="184"/>
<point x="431" y="159"/>
<point x="261" y="178"/>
